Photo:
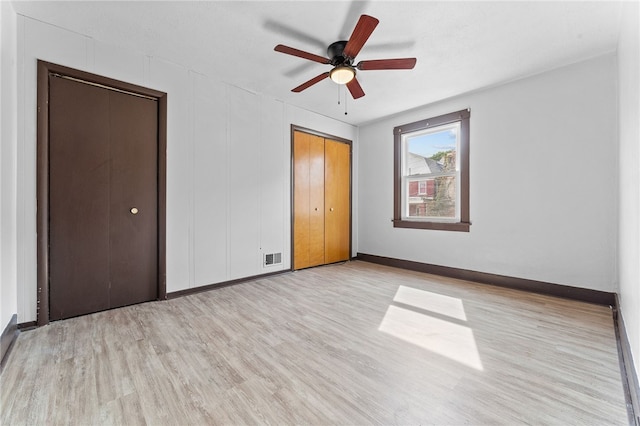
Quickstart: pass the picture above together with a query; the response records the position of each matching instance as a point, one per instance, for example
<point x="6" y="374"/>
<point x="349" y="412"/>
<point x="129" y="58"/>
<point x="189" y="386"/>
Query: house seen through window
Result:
<point x="432" y="180"/>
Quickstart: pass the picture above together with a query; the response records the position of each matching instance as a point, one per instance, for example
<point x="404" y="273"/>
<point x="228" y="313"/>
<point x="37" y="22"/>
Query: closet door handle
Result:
<point x="331" y="209"/>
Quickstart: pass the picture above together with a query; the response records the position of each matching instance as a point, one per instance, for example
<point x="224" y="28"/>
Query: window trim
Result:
<point x="398" y="132"/>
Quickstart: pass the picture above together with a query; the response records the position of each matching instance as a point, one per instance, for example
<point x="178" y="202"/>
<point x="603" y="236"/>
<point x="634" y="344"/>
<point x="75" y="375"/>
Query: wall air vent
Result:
<point x="272" y="259"/>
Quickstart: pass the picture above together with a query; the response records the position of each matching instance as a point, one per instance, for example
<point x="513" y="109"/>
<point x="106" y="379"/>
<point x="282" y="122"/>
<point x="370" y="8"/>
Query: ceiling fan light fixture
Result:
<point x="342" y="74"/>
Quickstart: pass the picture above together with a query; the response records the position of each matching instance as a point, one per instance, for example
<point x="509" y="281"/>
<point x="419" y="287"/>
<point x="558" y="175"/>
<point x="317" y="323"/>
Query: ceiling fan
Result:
<point x="342" y="55"/>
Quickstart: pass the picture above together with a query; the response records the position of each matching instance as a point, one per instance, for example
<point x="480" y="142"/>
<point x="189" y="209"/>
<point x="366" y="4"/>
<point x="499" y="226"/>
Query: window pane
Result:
<point x="438" y="200"/>
<point x="431" y="173"/>
<point x="432" y="152"/>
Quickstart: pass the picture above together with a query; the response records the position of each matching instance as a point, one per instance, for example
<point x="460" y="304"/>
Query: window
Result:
<point x="422" y="187"/>
<point x="431" y="187"/>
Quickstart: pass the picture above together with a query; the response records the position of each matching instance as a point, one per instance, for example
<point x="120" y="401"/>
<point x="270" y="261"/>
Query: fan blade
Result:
<point x="365" y="26"/>
<point x="387" y="64"/>
<point x="355" y="88"/>
<point x="301" y="54"/>
<point x="311" y="82"/>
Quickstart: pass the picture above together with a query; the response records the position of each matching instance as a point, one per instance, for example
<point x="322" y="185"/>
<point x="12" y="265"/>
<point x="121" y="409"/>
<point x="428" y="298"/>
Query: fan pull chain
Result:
<point x="345" y="102"/>
<point x="339" y="87"/>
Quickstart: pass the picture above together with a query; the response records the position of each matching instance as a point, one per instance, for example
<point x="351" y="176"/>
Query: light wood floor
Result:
<point x="355" y="343"/>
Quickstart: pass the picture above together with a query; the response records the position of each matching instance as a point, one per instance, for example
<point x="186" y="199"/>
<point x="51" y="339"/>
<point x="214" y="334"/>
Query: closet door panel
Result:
<point x="321" y="200"/>
<point x="134" y="185"/>
<point x="316" y="201"/>
<point x="337" y="201"/>
<point x="301" y="199"/>
<point x="79" y="175"/>
<point x="103" y="198"/>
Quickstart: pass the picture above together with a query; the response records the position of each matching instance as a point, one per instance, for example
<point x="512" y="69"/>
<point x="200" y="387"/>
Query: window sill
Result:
<point x="438" y="226"/>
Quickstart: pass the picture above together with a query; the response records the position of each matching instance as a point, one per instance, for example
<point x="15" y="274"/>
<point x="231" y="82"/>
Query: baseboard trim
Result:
<point x="575" y="293"/>
<point x="9" y="335"/>
<point x="26" y="326"/>
<point x="201" y="289"/>
<point x="627" y="368"/>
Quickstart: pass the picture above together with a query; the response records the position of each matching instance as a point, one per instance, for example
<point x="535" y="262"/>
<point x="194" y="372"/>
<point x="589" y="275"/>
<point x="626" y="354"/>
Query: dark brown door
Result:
<point x="103" y="198"/>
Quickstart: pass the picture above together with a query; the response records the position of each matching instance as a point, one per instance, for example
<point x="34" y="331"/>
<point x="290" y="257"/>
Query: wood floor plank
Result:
<point x="354" y="343"/>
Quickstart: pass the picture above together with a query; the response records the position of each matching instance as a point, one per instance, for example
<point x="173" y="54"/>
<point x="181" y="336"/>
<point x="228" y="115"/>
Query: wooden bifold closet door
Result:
<point x="322" y="200"/>
<point x="103" y="195"/>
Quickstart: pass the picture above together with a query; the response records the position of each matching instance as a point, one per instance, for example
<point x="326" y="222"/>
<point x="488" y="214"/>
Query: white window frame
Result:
<point x="407" y="178"/>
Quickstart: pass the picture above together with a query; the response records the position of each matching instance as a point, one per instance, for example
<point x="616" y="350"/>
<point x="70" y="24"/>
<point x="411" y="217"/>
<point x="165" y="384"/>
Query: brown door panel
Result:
<point x="134" y="220"/>
<point x="79" y="199"/>
<point x="103" y="163"/>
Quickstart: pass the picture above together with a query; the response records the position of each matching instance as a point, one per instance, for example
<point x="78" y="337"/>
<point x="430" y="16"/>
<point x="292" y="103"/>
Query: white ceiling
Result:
<point x="460" y="46"/>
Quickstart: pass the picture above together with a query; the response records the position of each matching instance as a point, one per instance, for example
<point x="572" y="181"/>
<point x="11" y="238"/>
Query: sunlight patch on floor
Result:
<point x="433" y="302"/>
<point x="446" y="338"/>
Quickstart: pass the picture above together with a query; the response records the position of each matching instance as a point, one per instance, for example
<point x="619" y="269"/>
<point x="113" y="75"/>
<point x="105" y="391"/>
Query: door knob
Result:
<point x="134" y="210"/>
<point x="331" y="209"/>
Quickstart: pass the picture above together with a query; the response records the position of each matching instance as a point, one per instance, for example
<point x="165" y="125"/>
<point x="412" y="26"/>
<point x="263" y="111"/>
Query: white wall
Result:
<point x="543" y="177"/>
<point x="228" y="161"/>
<point x="8" y="160"/>
<point x="629" y="175"/>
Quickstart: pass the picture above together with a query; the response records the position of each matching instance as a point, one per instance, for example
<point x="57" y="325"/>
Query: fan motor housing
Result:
<point x="335" y="50"/>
